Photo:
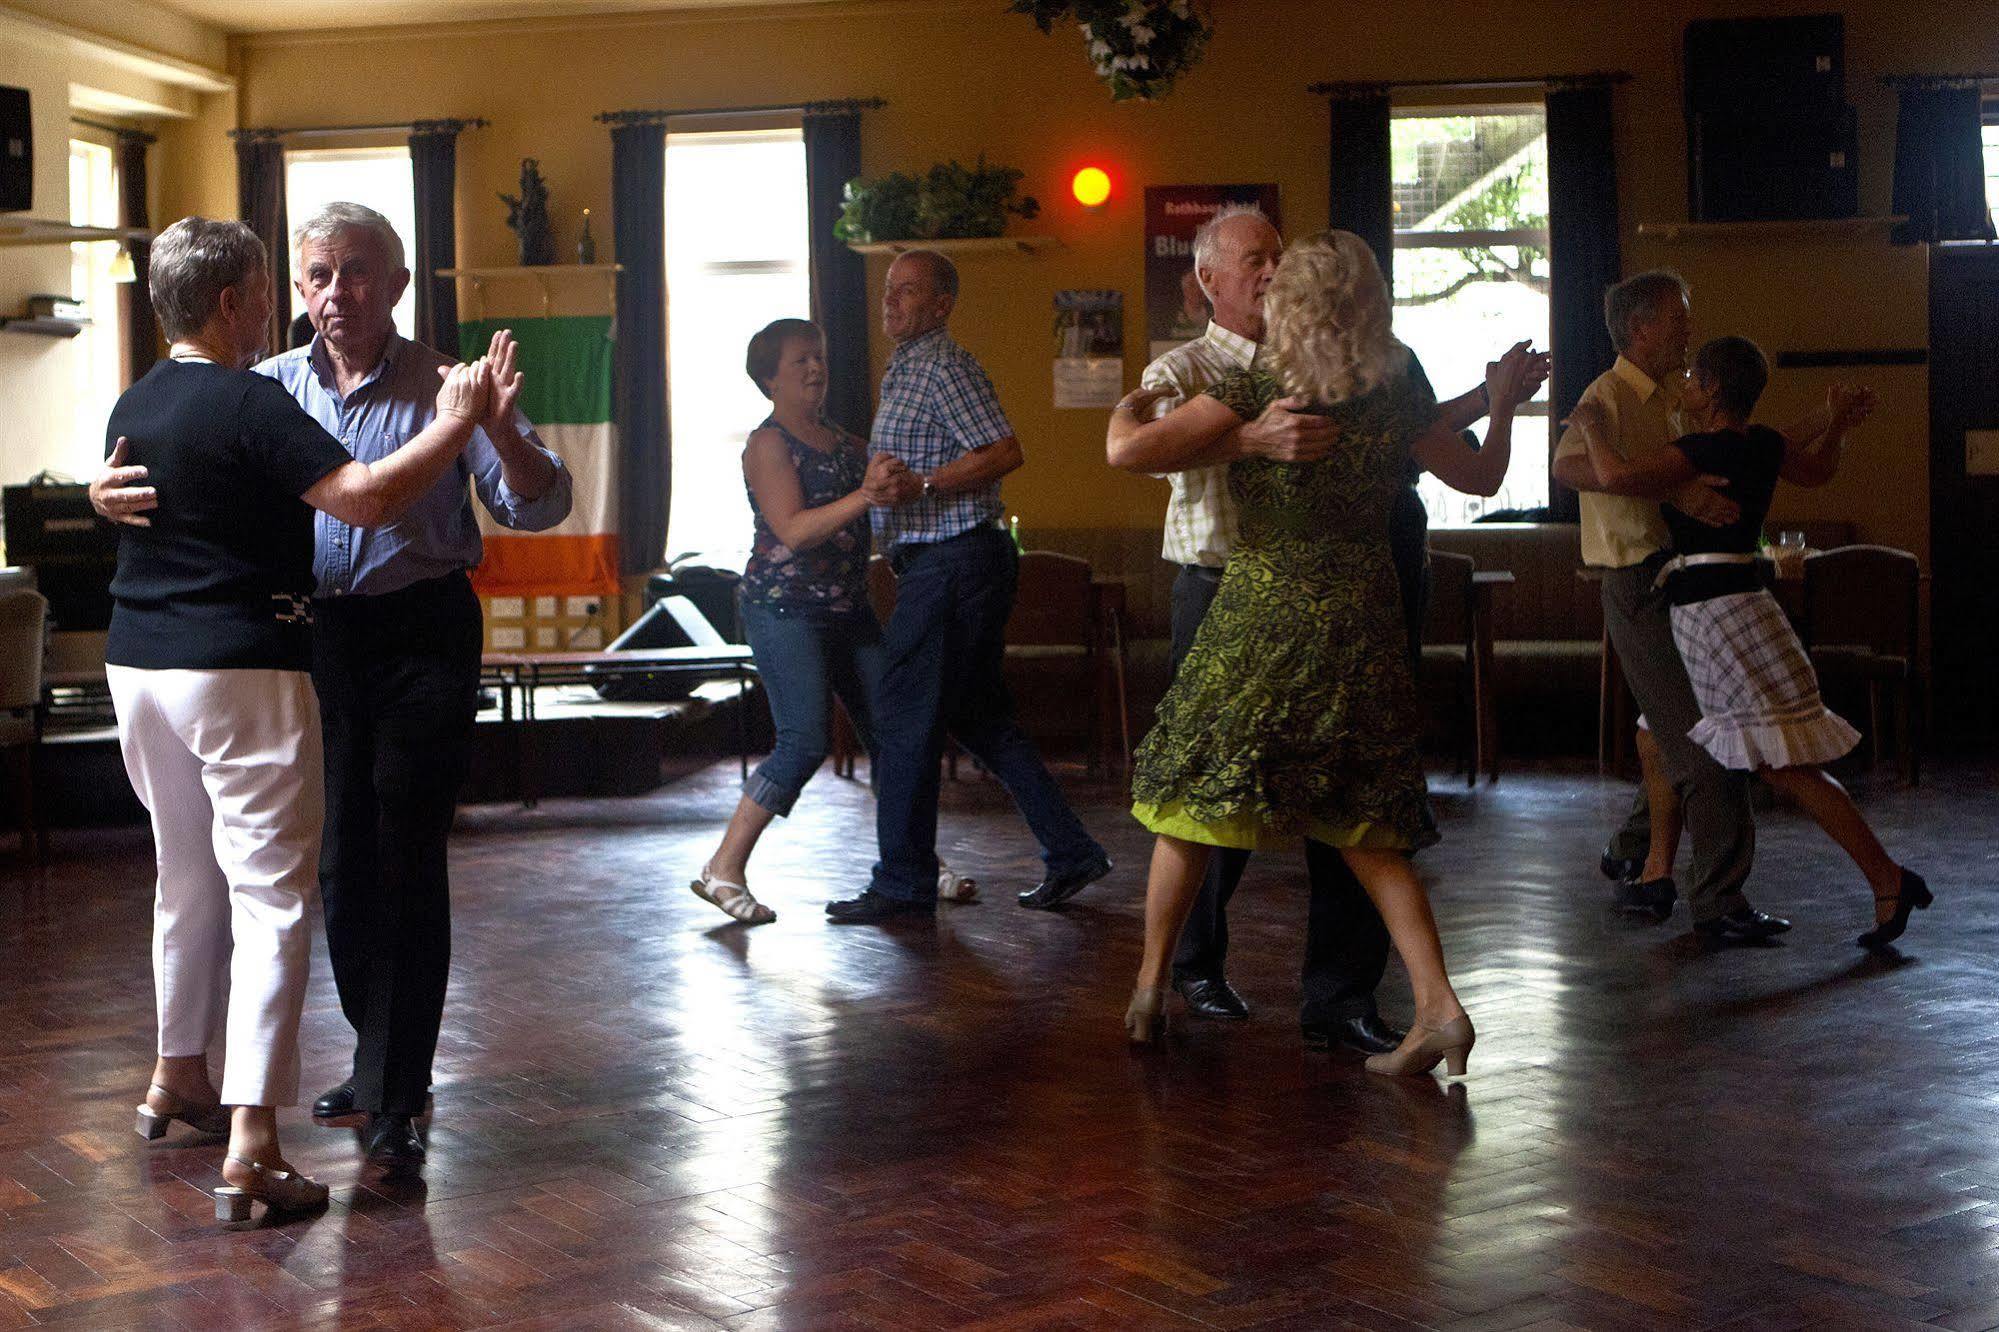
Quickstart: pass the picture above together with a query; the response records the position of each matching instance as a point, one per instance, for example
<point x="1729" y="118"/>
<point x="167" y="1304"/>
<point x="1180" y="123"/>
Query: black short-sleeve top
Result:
<point x="222" y="580"/>
<point x="1750" y="460"/>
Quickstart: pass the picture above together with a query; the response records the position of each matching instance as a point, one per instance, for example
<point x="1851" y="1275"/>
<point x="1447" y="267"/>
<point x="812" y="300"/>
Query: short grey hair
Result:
<point x="943" y="273"/>
<point x="335" y="218"/>
<point x="1205" y="236"/>
<point x="1637" y="296"/>
<point x="193" y="262"/>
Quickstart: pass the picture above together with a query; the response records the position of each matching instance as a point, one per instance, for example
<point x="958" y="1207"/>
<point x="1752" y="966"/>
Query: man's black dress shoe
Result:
<point x="1059" y="888"/>
<point x="392" y="1140"/>
<point x="1747" y="926"/>
<point x="1366" y="1033"/>
<point x="1652" y="898"/>
<point x="1212" y="998"/>
<point x="335" y="1104"/>
<point x="872" y="908"/>
<point x="1619" y="868"/>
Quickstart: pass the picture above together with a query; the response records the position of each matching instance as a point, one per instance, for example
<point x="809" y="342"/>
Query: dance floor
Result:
<point x="648" y="1117"/>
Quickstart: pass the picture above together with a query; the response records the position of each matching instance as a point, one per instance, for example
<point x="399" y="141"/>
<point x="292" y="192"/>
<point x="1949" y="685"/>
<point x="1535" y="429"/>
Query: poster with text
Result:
<point x="1175" y="309"/>
<point x="1089" y="348"/>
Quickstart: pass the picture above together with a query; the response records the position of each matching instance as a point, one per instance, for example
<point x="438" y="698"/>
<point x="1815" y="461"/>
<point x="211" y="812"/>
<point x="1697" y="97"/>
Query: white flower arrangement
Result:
<point x="1138" y="47"/>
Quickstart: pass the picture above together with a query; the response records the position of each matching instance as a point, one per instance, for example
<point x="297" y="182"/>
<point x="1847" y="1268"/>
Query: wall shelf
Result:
<point x="1817" y="228"/>
<point x="972" y="245"/>
<point x="539" y="273"/>
<point x="44" y="325"/>
<point x="41" y="231"/>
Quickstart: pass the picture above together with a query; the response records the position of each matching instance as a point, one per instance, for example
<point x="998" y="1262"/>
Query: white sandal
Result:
<point x="733" y="899"/>
<point x="952" y="888"/>
<point x="152" y="1121"/>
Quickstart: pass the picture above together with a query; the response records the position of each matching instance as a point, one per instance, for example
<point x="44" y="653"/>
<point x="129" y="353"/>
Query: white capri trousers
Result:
<point x="229" y="765"/>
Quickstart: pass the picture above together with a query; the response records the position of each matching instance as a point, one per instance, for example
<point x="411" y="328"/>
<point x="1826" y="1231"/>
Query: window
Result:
<point x="1471" y="270"/>
<point x="1991" y="131"/>
<point x="97" y="365"/>
<point x="378" y="177"/>
<point x="729" y="271"/>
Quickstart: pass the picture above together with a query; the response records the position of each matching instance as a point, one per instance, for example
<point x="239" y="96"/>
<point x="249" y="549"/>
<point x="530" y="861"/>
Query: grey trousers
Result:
<point x="1714" y="800"/>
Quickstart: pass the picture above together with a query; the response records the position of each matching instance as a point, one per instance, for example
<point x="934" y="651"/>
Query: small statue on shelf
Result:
<point x="586" y="248"/>
<point x="527" y="215"/>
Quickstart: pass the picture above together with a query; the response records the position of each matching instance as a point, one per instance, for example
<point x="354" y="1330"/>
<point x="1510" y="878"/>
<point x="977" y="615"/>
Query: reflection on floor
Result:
<point x="649" y="1117"/>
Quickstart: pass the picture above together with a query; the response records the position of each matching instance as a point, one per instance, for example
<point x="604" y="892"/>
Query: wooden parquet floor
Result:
<point x="650" y="1118"/>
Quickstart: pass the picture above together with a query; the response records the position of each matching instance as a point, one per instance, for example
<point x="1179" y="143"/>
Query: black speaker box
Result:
<point x="17" y="152"/>
<point x="1795" y="66"/>
<point x="74" y="553"/>
<point x="1746" y="167"/>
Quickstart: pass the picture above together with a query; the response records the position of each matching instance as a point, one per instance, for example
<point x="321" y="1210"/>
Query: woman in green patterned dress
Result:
<point x="1295" y="713"/>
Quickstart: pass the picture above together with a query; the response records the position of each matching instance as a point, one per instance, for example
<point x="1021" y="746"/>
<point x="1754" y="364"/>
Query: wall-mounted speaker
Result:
<point x="17" y="152"/>
<point x="1769" y="133"/>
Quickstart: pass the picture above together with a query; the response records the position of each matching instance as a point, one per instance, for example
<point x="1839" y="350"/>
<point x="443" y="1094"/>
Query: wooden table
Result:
<point x="527" y="672"/>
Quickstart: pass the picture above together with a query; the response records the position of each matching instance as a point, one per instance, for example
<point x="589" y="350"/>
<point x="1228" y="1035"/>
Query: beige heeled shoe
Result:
<point x="161" y="1108"/>
<point x="284" y="1191"/>
<point x="1424" y="1046"/>
<point x="954" y="887"/>
<point x="733" y="899"/>
<point x="1145" y="1017"/>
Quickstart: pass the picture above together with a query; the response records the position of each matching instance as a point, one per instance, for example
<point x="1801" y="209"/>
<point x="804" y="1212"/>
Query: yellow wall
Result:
<point x="964" y="79"/>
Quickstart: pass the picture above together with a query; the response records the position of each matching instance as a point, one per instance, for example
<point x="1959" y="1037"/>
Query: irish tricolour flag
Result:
<point x="567" y="361"/>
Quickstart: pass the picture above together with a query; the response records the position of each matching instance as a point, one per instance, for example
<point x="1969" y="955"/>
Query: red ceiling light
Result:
<point x="1091" y="186"/>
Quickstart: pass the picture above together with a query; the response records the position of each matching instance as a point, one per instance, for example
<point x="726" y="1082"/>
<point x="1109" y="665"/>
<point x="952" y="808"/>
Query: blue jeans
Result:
<point x="803" y="660"/>
<point x="945" y="646"/>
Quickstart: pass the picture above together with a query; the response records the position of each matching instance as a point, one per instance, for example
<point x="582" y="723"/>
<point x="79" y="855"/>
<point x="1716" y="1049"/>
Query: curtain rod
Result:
<point x="441" y="126"/>
<point x="1376" y="88"/>
<point x="122" y="131"/>
<point x="838" y="106"/>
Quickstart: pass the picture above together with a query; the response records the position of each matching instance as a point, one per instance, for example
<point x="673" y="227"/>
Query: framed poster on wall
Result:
<point x="1175" y="309"/>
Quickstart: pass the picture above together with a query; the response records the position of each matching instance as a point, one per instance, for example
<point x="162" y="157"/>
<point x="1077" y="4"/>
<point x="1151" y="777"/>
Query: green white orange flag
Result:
<point x="567" y="360"/>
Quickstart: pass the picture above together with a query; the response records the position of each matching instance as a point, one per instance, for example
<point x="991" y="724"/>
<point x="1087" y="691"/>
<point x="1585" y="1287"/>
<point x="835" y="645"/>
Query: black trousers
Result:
<point x="398" y="681"/>
<point x="1346" y="945"/>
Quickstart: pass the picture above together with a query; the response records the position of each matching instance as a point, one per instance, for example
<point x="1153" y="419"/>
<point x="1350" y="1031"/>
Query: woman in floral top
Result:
<point x="804" y="593"/>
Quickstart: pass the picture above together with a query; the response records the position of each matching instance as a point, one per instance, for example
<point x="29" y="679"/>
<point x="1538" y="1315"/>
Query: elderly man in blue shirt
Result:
<point x="956" y="578"/>
<point x="396" y="647"/>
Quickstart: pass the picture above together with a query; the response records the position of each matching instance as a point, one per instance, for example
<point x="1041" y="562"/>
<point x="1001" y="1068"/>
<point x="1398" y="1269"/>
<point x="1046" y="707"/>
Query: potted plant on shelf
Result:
<point x="951" y="201"/>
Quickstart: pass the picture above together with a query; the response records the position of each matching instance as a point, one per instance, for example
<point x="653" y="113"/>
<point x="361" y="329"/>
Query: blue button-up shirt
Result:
<point x="936" y="406"/>
<point x="439" y="534"/>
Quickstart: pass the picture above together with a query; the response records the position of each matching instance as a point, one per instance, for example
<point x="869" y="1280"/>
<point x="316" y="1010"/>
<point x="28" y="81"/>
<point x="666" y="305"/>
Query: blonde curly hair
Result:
<point x="1327" y="320"/>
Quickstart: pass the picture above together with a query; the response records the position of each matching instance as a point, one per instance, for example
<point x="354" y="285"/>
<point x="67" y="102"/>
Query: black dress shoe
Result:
<point x="872" y="908"/>
<point x="1368" y="1034"/>
<point x="1059" y="888"/>
<point x="335" y="1104"/>
<point x="1652" y="898"/>
<point x="1747" y="926"/>
<point x="392" y="1140"/>
<point x="1212" y="998"/>
<point x="1619" y="868"/>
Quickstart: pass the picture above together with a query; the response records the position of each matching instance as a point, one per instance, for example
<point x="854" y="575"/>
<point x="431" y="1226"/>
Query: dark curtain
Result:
<point x="434" y="163"/>
<point x="135" y="299"/>
<point x="639" y="405"/>
<point x="260" y="201"/>
<point x="1940" y="163"/>
<point x="1583" y="256"/>
<point x="1363" y="184"/>
<point x="839" y="277"/>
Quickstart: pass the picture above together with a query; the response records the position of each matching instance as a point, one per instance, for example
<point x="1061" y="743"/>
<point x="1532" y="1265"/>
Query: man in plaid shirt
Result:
<point x="946" y="640"/>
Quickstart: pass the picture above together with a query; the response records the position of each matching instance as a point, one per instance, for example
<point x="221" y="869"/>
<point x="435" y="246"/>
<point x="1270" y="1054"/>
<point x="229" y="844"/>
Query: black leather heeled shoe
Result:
<point x="1913" y="895"/>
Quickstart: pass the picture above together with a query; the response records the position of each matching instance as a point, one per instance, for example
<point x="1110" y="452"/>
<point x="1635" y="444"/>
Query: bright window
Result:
<point x="1991" y="129"/>
<point x="96" y="367"/>
<point x="378" y="177"/>
<point x="729" y="271"/>
<point x="1471" y="271"/>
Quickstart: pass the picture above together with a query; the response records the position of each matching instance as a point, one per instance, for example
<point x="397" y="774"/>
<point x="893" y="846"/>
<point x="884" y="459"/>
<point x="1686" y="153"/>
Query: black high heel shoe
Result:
<point x="1913" y="895"/>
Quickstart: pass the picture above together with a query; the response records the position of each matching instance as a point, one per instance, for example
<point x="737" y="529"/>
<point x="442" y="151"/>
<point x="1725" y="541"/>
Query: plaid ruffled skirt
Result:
<point x="1758" y="694"/>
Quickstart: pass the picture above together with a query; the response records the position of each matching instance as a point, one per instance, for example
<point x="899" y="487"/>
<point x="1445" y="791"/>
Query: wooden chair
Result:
<point x="1450" y="647"/>
<point x="23" y="622"/>
<point x="1861" y="607"/>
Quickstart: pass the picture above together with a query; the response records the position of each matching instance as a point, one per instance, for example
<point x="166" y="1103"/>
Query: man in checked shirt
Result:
<point x="946" y="640"/>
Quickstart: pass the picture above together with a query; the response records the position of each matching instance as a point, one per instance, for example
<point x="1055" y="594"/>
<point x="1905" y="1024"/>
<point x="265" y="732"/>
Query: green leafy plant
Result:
<point x="951" y="201"/>
<point x="1138" y="47"/>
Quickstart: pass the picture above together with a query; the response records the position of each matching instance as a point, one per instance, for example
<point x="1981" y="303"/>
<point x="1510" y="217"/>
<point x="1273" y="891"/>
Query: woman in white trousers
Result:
<point x="215" y="472"/>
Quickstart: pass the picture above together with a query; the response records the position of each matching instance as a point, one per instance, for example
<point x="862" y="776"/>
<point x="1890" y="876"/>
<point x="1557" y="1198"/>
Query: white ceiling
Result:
<point x="299" y="15"/>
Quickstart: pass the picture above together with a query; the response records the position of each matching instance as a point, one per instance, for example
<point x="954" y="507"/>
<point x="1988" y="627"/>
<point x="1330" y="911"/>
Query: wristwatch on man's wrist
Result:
<point x="929" y="488"/>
